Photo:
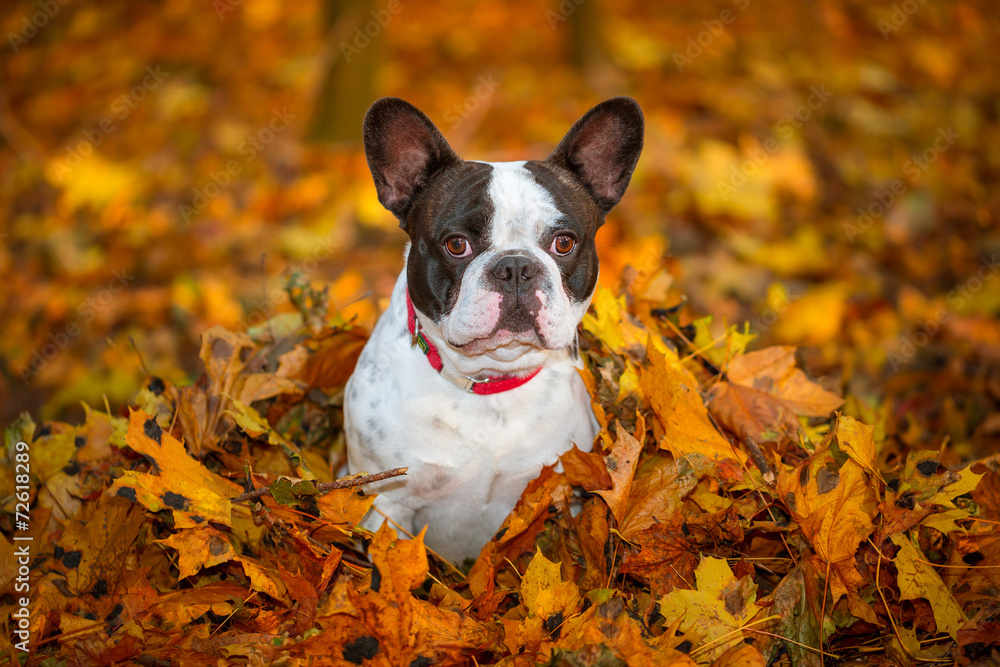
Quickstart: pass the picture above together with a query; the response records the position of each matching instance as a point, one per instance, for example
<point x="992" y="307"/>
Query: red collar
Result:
<point x="488" y="385"/>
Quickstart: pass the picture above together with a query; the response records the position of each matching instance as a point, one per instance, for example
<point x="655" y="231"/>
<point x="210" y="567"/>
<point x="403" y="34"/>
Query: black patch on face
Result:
<point x="580" y="219"/>
<point x="455" y="201"/>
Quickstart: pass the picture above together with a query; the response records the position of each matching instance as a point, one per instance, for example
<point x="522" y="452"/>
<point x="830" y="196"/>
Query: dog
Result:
<point x="470" y="378"/>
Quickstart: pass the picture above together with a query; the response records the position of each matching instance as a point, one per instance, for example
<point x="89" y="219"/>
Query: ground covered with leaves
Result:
<point x="180" y="186"/>
<point x="732" y="513"/>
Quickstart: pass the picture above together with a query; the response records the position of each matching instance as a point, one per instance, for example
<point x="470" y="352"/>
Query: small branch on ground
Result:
<point x="326" y="487"/>
<point x="758" y="458"/>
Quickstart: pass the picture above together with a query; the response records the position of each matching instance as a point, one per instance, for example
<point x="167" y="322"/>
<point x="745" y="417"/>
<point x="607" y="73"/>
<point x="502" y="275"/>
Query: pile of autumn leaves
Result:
<point x="668" y="544"/>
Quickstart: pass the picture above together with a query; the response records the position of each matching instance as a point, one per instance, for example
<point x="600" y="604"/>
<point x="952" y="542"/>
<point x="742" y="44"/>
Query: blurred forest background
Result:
<point x="823" y="170"/>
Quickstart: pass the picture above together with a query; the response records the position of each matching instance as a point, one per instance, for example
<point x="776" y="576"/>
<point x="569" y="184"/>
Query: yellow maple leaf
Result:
<point x="543" y="590"/>
<point x="673" y="394"/>
<point x="612" y="324"/>
<point x="720" y="604"/>
<point x="966" y="482"/>
<point x="833" y="508"/>
<point x="182" y="484"/>
<point x="198" y="548"/>
<point x="917" y="579"/>
<point x="857" y="440"/>
<point x="547" y="600"/>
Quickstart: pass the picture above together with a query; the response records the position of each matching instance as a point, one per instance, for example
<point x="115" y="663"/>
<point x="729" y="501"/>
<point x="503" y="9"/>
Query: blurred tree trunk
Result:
<point x="586" y="47"/>
<point x="352" y="59"/>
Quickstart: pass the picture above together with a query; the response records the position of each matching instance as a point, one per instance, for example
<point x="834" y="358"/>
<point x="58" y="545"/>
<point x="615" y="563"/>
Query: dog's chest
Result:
<point x="456" y="443"/>
<point x="469" y="456"/>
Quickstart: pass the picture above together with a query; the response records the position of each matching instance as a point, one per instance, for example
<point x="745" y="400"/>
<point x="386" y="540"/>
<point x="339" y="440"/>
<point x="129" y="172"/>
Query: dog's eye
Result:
<point x="562" y="245"/>
<point x="458" y="246"/>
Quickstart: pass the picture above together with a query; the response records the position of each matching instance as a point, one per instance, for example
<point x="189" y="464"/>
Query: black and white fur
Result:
<point x="510" y="306"/>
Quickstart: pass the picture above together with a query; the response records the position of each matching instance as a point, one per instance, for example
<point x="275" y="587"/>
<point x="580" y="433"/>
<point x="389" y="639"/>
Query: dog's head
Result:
<point x="502" y="258"/>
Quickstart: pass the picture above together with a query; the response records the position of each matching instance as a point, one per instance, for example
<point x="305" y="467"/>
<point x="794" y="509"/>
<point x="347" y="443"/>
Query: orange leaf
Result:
<point x="586" y="469"/>
<point x="773" y="370"/>
<point x="181" y="484"/>
<point x="621" y="462"/>
<point x="765" y="393"/>
<point x="673" y="394"/>
<point x="199" y="547"/>
<point x="666" y="559"/>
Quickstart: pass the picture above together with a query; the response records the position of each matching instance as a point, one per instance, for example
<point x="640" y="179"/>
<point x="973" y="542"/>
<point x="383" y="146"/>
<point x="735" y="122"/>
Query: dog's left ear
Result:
<point x="404" y="149"/>
<point x="602" y="148"/>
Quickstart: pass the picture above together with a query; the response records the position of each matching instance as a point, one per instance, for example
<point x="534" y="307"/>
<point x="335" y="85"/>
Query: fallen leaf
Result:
<point x="621" y="462"/>
<point x="716" y="610"/>
<point x="764" y="394"/>
<point x="674" y="397"/>
<point x="181" y="484"/>
<point x="917" y="579"/>
<point x="199" y="547"/>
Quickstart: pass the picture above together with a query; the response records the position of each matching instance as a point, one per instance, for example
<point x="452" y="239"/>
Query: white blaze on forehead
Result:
<point x="522" y="209"/>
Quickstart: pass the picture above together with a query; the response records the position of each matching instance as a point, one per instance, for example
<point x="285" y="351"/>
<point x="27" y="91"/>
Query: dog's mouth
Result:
<point x="503" y="345"/>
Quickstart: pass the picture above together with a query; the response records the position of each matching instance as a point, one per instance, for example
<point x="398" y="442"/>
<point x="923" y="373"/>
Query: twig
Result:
<point x="142" y="362"/>
<point x="885" y="603"/>
<point x="758" y="457"/>
<point x="822" y="612"/>
<point x="324" y="487"/>
<point x="707" y="645"/>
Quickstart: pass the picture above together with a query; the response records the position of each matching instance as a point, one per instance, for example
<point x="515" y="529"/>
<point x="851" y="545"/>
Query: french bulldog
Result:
<point x="470" y="377"/>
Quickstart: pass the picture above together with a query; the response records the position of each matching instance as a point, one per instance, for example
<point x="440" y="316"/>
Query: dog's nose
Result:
<point x="513" y="270"/>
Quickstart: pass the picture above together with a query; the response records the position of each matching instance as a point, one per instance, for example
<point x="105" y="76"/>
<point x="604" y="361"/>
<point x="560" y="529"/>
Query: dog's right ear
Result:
<point x="404" y="149"/>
